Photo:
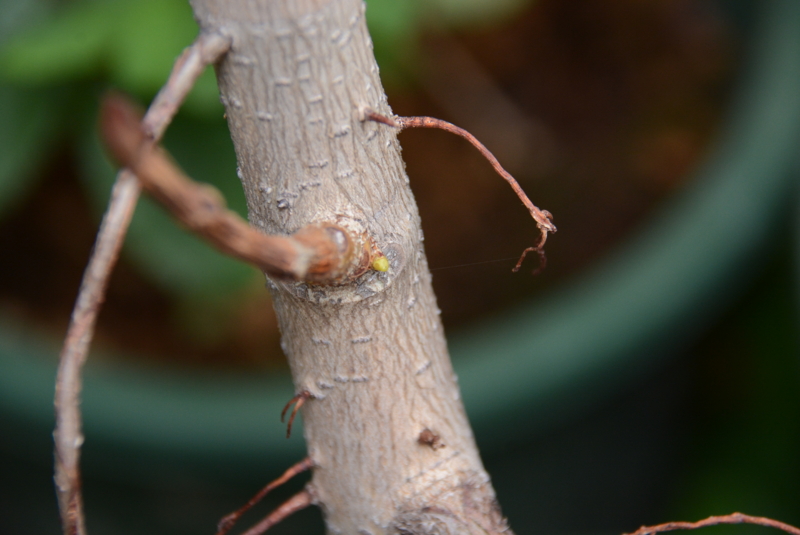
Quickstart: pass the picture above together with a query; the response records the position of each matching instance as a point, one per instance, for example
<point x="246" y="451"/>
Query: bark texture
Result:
<point x="385" y="426"/>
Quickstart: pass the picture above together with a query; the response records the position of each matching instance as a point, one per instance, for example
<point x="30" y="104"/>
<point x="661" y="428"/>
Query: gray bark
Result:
<point x="371" y="353"/>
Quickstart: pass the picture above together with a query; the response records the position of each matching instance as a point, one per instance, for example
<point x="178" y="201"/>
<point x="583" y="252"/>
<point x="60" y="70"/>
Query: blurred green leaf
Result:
<point x="133" y="43"/>
<point x="152" y="34"/>
<point x="396" y="26"/>
<point x="149" y="35"/>
<point x="70" y="45"/>
<point x="203" y="100"/>
<point x="28" y="121"/>
<point x="16" y="15"/>
<point x="475" y="12"/>
<point x="393" y="21"/>
<point x="180" y="263"/>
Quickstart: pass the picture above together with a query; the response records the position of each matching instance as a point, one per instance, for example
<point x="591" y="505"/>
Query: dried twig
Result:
<point x="321" y="253"/>
<point x="299" y="501"/>
<point x="228" y="521"/>
<point x="543" y="218"/>
<point x="298" y="401"/>
<point x="733" y="518"/>
<point x="68" y="435"/>
<point x="539" y="250"/>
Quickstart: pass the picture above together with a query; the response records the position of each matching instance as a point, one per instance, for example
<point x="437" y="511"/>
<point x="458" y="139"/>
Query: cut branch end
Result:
<point x="322" y="253"/>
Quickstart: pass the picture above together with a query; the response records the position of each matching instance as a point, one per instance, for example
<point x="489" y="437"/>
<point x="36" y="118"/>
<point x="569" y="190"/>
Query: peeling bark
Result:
<point x="371" y="353"/>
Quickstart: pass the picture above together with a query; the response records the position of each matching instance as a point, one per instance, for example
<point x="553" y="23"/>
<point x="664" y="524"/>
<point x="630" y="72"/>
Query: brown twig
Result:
<point x="206" y="50"/>
<point x="68" y="435"/>
<point x="298" y="400"/>
<point x="228" y="521"/>
<point x="299" y="501"/>
<point x="539" y="250"/>
<point x="733" y="518"/>
<point x="321" y="253"/>
<point x="543" y="218"/>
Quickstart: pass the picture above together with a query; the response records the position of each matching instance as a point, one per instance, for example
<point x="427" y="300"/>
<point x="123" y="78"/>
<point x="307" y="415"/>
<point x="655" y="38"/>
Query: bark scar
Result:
<point x="429" y="438"/>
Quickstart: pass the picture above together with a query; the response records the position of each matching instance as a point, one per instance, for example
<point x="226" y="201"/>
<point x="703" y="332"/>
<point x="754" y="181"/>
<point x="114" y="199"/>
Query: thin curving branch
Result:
<point x="298" y="401"/>
<point x="323" y="253"/>
<point x="228" y="521"/>
<point x="208" y="49"/>
<point x="733" y="518"/>
<point x="68" y="436"/>
<point x="543" y="218"/>
<point x="299" y="501"/>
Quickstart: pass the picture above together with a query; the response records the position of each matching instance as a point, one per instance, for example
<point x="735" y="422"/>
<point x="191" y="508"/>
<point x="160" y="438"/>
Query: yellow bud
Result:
<point x="380" y="263"/>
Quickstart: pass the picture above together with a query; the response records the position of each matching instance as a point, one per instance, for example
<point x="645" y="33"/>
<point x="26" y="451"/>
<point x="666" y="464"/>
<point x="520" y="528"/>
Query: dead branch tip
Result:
<point x="543" y="218"/>
<point x="542" y="260"/>
<point x="298" y="401"/>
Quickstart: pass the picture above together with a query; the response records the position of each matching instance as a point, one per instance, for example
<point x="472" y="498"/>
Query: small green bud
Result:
<point x="380" y="263"/>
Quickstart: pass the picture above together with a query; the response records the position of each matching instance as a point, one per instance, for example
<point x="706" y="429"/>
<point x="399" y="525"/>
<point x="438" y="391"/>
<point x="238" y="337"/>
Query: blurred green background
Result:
<point x="622" y="118"/>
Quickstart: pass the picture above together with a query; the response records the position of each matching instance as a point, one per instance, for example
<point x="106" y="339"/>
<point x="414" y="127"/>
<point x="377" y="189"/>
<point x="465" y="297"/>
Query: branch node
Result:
<point x="429" y="438"/>
<point x="321" y="253"/>
<point x="369" y="114"/>
<point x="380" y="263"/>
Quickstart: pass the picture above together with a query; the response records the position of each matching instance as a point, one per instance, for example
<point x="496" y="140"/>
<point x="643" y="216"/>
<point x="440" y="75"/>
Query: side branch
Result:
<point x="228" y="521"/>
<point x="298" y="400"/>
<point x="299" y="501"/>
<point x="207" y="49"/>
<point x="323" y="253"/>
<point x="543" y="218"/>
<point x="733" y="518"/>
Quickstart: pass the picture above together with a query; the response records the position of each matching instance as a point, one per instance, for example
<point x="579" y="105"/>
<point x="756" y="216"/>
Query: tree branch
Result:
<point x="299" y="501"/>
<point x="228" y="521"/>
<point x="371" y="354"/>
<point x="733" y="518"/>
<point x="207" y="49"/>
<point x="543" y="218"/>
<point x="324" y="253"/>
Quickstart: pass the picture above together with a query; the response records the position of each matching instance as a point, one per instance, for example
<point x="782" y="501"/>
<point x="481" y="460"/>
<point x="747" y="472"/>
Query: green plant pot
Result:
<point x="533" y="364"/>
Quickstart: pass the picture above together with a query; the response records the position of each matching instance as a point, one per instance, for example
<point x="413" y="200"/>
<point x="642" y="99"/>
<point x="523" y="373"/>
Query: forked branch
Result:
<point x="543" y="218"/>
<point x="68" y="436"/>
<point x="298" y="401"/>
